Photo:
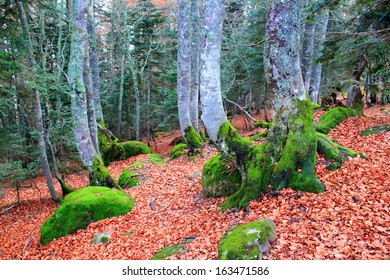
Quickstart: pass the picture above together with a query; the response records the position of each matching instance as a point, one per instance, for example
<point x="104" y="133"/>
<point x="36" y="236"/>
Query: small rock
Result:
<point x="101" y="238"/>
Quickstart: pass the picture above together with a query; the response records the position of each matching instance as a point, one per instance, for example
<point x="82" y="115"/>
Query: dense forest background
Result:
<point x="136" y="46"/>
<point x="84" y="84"/>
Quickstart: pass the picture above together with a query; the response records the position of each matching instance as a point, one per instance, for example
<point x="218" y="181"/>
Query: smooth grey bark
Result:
<point x="38" y="108"/>
<point x="195" y="57"/>
<point x="307" y="54"/>
<point x="321" y="27"/>
<point x="92" y="124"/>
<point x="79" y="48"/>
<point x="213" y="113"/>
<point x="184" y="64"/>
<point x="281" y="55"/>
<point x="94" y="63"/>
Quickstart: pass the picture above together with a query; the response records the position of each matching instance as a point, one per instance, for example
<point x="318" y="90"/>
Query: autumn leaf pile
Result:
<point x="350" y="220"/>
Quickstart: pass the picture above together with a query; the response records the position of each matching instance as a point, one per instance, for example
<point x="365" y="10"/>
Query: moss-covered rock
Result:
<point x="128" y="178"/>
<point x="81" y="207"/>
<point x="177" y="151"/>
<point x="334" y="117"/>
<point x="217" y="179"/>
<point x="247" y="241"/>
<point x="171" y="250"/>
<point x="133" y="148"/>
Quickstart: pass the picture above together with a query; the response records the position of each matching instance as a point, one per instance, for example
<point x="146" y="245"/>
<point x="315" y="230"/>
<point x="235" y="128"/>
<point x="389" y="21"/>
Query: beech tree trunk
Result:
<point x="187" y="97"/>
<point x="321" y="27"/>
<point x="195" y="56"/>
<point x="78" y="60"/>
<point x="288" y="155"/>
<point x="355" y="95"/>
<point x="213" y="113"/>
<point x="94" y="64"/>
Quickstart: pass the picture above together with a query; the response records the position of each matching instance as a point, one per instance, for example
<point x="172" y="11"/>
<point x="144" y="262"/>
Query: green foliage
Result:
<point x="80" y="208"/>
<point x="247" y="241"/>
<point x="218" y="179"/>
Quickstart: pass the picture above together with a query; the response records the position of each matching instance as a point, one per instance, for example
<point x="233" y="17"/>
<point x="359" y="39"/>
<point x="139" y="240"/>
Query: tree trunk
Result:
<point x="321" y="26"/>
<point x="38" y="109"/>
<point x="355" y="95"/>
<point x="195" y="56"/>
<point x="213" y="113"/>
<point x="94" y="64"/>
<point x="307" y="51"/>
<point x="288" y="155"/>
<point x="134" y="75"/>
<point x="98" y="174"/>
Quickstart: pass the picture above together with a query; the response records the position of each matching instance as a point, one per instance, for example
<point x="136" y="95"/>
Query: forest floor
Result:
<point x="350" y="220"/>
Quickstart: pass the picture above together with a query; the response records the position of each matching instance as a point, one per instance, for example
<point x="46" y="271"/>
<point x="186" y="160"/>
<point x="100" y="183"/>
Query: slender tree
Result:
<point x="184" y="75"/>
<point x="37" y="98"/>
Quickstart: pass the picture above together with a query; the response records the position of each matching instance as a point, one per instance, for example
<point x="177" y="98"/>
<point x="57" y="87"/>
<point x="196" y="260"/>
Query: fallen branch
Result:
<point x="241" y="109"/>
<point x="9" y="208"/>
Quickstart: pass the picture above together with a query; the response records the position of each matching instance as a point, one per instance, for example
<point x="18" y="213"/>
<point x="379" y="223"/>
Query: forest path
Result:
<point x="350" y="220"/>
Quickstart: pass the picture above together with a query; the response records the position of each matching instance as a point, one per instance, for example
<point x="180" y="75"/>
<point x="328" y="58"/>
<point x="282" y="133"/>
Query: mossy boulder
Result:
<point x="128" y="178"/>
<point x="247" y="241"/>
<point x="81" y="207"/>
<point x="217" y="179"/>
<point x="133" y="148"/>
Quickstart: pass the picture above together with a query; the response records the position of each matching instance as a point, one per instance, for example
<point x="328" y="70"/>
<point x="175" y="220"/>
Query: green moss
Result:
<point x="334" y="117"/>
<point x="193" y="139"/>
<point x="295" y="167"/>
<point x="177" y="151"/>
<point x="247" y="241"/>
<point x="263" y="124"/>
<point x="100" y="175"/>
<point x="112" y="150"/>
<point x="376" y="129"/>
<point x="171" y="250"/>
<point x="333" y="151"/>
<point x="217" y="179"/>
<point x="133" y="148"/>
<point x="82" y="207"/>
<point x="128" y="178"/>
<point x="258" y="136"/>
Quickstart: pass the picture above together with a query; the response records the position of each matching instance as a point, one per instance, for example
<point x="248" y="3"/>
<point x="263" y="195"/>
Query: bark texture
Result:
<point x="89" y="154"/>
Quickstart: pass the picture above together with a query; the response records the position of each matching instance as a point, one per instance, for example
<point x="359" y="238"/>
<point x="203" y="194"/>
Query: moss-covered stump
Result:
<point x="81" y="207"/>
<point x="128" y="178"/>
<point x="177" y="151"/>
<point x="334" y="117"/>
<point x="171" y="250"/>
<point x="247" y="241"/>
<point x="219" y="179"/>
<point x="376" y="129"/>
